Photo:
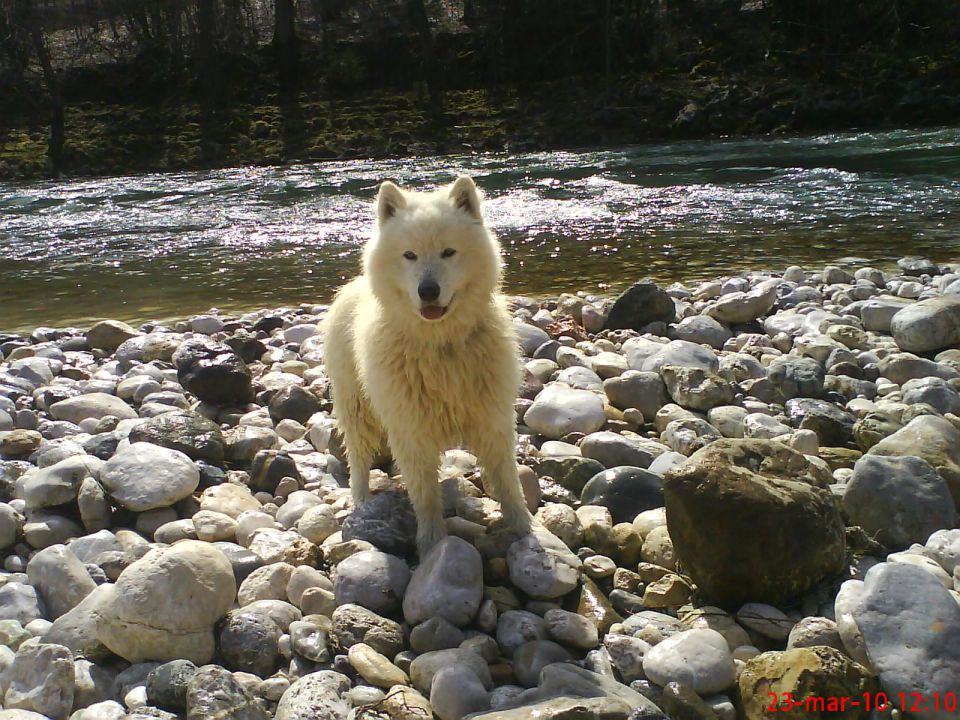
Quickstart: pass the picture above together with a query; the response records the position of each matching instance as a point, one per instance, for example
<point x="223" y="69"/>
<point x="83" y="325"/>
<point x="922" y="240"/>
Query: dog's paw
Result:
<point x="428" y="537"/>
<point x="360" y="497"/>
<point x="519" y="520"/>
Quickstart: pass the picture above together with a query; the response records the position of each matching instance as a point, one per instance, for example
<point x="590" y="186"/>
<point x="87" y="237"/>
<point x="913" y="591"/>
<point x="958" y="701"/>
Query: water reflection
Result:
<point x="171" y="244"/>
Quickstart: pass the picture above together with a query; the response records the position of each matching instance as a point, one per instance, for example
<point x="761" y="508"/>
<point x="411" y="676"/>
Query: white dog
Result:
<point x="422" y="352"/>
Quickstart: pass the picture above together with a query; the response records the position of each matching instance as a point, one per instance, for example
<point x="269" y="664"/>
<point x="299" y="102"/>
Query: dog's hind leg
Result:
<point x="496" y="455"/>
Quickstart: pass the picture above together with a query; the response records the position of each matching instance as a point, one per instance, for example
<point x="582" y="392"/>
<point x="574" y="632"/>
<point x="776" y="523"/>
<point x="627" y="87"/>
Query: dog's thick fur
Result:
<point x="425" y="385"/>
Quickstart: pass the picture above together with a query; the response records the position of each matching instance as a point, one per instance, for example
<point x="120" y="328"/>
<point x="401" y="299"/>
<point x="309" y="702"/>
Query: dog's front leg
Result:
<point x="359" y="463"/>
<point x="420" y="472"/>
<point x="495" y="454"/>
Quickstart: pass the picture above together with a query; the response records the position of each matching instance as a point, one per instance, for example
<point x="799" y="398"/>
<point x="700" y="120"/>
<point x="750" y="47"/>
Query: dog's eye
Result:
<point x="410" y="255"/>
<point x="449" y="252"/>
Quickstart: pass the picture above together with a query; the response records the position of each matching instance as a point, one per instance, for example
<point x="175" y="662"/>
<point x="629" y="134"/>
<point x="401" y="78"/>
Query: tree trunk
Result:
<point x="204" y="55"/>
<point x="607" y="41"/>
<point x="284" y="25"/>
<point x="431" y="68"/>
<point x="285" y="41"/>
<point x="55" y="139"/>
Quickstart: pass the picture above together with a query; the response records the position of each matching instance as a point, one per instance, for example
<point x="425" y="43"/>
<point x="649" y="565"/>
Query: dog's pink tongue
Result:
<point x="432" y="312"/>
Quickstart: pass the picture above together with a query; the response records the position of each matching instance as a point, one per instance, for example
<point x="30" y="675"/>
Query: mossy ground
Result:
<point x="102" y="138"/>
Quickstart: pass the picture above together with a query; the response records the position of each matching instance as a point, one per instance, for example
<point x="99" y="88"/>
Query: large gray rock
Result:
<point x="164" y="606"/>
<point x="387" y="521"/>
<point x="426" y="666"/>
<point x="448" y="583"/>
<point x="932" y="438"/>
<point x="31" y="715"/>
<point x="910" y="626"/>
<point x="701" y="329"/>
<point x="58" y="484"/>
<point x="317" y="696"/>
<point x="77" y="628"/>
<point x="530" y="337"/>
<point x="60" y="578"/>
<point x="531" y="657"/>
<point x="898" y="500"/>
<point x="11" y="526"/>
<point x="902" y="367"/>
<point x="611" y="449"/>
<point x="689" y="434"/>
<point x="678" y="353"/>
<point x="167" y="685"/>
<point x="293" y="402"/>
<point x="249" y="642"/>
<point x="43" y="529"/>
<point x="92" y="405"/>
<point x="41" y="680"/>
<point x="542" y="566"/>
<point x="560" y="410"/>
<point x="189" y="432"/>
<point x="944" y="547"/>
<point x="456" y="692"/>
<point x="20" y="602"/>
<point x="877" y="313"/>
<point x="214" y="694"/>
<point x="372" y="579"/>
<point x="561" y="681"/>
<point x="644" y="391"/>
<point x="743" y="307"/>
<point x="143" y="476"/>
<point x="696" y="388"/>
<point x="797" y="376"/>
<point x="916" y="266"/>
<point x="699" y="658"/>
<point x="89" y="547"/>
<point x="931" y="324"/>
<point x="571" y="472"/>
<point x="933" y="391"/>
<point x="517" y="627"/>
<point x="833" y="426"/>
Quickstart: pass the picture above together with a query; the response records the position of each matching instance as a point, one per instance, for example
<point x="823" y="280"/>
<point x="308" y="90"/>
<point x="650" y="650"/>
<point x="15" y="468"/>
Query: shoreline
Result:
<point x="745" y="485"/>
<point x="140" y="319"/>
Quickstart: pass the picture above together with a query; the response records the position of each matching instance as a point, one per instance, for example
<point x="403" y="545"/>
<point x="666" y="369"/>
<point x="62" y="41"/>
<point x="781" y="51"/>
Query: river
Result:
<point x="168" y="245"/>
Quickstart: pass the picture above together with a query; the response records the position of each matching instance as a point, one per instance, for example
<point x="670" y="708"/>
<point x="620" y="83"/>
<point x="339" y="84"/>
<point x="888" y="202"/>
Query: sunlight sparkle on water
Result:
<point x="138" y="246"/>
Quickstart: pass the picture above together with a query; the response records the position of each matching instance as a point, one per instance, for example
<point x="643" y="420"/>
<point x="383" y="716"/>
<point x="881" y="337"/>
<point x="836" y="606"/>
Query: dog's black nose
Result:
<point x="428" y="290"/>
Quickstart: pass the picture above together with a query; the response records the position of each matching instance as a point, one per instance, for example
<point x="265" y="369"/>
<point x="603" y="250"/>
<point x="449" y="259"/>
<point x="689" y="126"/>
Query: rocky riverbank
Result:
<point x="743" y="488"/>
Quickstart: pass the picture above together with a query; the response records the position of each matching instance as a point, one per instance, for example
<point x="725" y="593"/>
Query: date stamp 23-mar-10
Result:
<point x="914" y="703"/>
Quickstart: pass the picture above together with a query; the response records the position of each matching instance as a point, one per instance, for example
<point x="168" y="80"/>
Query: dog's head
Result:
<point x="432" y="257"/>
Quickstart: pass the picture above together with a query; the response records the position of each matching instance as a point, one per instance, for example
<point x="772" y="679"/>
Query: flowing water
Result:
<point x="167" y="245"/>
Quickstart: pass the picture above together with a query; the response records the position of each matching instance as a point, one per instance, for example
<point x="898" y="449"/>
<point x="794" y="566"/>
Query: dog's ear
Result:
<point x="390" y="199"/>
<point x="465" y="196"/>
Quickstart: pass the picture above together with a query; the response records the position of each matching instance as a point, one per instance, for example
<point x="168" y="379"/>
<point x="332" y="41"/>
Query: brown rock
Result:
<point x="818" y="679"/>
<point x="753" y="521"/>
<point x="595" y="605"/>
<point x="19" y="443"/>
